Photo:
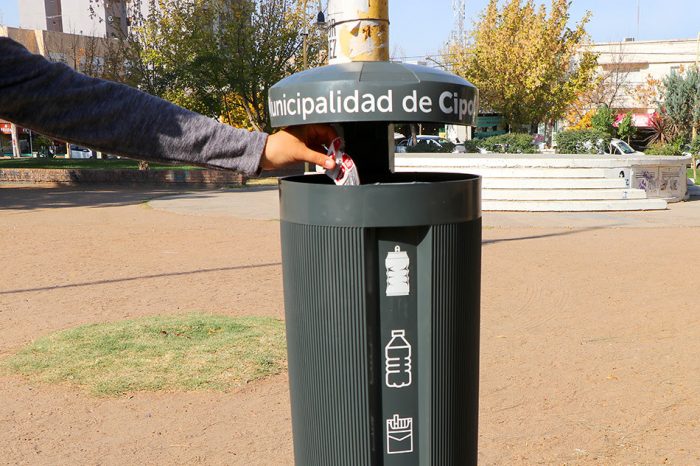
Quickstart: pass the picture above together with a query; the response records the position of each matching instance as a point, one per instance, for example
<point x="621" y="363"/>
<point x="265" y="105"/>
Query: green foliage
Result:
<point x="510" y="143"/>
<point x="471" y="146"/>
<point x="603" y="120"/>
<point x="675" y="147"/>
<point x="192" y="352"/>
<point x="583" y="141"/>
<point x="525" y="60"/>
<point x="681" y="102"/>
<point x="694" y="147"/>
<point x="217" y="57"/>
<point x="625" y="129"/>
<point x="659" y="129"/>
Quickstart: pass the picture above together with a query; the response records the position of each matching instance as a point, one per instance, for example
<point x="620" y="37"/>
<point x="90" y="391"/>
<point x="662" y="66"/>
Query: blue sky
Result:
<point x="420" y="27"/>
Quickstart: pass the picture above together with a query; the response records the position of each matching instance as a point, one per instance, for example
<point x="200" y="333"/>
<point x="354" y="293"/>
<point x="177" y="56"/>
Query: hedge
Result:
<point x="671" y="148"/>
<point x="582" y="141"/>
<point x="512" y="143"/>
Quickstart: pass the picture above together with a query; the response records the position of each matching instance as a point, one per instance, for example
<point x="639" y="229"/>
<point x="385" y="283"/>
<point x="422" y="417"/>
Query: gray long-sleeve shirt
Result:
<point x="54" y="100"/>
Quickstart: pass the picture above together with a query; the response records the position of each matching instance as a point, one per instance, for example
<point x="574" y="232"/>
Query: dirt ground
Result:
<point x="589" y="353"/>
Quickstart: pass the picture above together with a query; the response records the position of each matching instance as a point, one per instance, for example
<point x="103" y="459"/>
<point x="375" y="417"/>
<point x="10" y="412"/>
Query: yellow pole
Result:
<point x="358" y="30"/>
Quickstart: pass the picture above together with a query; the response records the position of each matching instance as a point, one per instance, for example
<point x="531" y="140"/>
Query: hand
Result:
<point x="298" y="144"/>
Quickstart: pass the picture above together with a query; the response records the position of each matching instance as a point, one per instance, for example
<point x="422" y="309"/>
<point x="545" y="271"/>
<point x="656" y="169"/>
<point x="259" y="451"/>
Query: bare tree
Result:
<point x="611" y="87"/>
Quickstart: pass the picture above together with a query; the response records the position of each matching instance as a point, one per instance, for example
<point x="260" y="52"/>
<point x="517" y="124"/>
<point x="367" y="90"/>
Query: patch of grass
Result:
<point x="268" y="181"/>
<point x="92" y="164"/>
<point x="191" y="352"/>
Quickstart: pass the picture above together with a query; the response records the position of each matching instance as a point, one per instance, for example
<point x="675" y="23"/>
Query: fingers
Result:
<point x="315" y="137"/>
<point x="298" y="144"/>
<point x="319" y="159"/>
<point x="323" y="134"/>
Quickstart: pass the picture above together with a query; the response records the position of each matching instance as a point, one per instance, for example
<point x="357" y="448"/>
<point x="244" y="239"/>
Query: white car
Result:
<point x="429" y="144"/>
<point x="620" y="147"/>
<point x="77" y="152"/>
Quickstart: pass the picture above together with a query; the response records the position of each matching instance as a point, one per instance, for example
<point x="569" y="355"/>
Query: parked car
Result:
<point x="696" y="157"/>
<point x="620" y="147"/>
<point x="77" y="152"/>
<point x="429" y="144"/>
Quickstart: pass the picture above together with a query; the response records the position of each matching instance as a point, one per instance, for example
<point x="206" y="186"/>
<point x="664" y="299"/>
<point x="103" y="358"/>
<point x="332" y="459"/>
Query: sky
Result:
<point x="421" y="27"/>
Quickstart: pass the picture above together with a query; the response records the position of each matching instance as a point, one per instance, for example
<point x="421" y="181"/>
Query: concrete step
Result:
<point x="574" y="206"/>
<point x="561" y="194"/>
<point x="554" y="183"/>
<point x="492" y="172"/>
<point x="533" y="160"/>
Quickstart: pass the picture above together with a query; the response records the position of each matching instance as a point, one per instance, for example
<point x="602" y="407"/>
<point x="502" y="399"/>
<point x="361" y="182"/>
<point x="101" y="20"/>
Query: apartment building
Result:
<point x="99" y="18"/>
<point x="631" y="65"/>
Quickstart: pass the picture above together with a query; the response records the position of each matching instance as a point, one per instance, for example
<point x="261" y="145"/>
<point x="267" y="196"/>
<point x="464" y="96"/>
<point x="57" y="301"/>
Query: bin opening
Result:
<point x="384" y="178"/>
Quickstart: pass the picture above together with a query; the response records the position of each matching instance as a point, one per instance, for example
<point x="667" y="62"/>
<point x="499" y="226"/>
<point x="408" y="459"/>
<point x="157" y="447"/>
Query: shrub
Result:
<point x="603" y="120"/>
<point x="626" y="128"/>
<point x="582" y="141"/>
<point x="695" y="146"/>
<point x="513" y="143"/>
<point x="471" y="146"/>
<point x="671" y="148"/>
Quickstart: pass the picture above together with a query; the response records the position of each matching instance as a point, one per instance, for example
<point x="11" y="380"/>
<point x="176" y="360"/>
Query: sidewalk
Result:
<point x="262" y="204"/>
<point x="588" y="346"/>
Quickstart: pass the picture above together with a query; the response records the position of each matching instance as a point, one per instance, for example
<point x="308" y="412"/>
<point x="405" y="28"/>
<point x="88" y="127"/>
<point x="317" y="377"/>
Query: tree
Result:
<point x="603" y="120"/>
<point x="218" y="57"/>
<point x="256" y="43"/>
<point x="681" y="102"/>
<point x="649" y="92"/>
<point x="626" y="128"/>
<point x="609" y="87"/>
<point x="525" y="61"/>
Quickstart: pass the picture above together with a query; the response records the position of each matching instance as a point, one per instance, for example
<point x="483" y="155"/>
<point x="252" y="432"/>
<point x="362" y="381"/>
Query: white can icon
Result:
<point x="396" y="263"/>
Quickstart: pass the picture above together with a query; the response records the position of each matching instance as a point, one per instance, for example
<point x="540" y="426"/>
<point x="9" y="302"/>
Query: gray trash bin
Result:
<point x="381" y="288"/>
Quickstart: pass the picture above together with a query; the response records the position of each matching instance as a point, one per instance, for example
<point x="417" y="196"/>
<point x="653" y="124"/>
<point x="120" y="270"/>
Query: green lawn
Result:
<point x="95" y="164"/>
<point x="190" y="352"/>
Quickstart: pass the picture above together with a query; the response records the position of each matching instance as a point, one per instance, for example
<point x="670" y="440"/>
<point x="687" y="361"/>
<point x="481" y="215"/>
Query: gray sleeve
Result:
<point x="56" y="101"/>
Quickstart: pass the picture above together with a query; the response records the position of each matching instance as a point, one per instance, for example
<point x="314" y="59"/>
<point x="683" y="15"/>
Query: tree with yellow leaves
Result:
<point x="525" y="60"/>
<point x="218" y="57"/>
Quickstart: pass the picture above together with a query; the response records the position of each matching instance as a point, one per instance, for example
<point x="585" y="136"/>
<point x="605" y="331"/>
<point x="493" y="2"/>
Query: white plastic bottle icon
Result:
<point x="396" y="264"/>
<point x="397" y="355"/>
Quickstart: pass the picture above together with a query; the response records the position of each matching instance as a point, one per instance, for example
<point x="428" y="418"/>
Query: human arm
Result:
<point x="54" y="100"/>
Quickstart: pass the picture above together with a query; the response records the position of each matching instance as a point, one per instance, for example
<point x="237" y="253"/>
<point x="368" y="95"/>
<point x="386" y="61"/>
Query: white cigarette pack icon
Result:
<point x="397" y="263"/>
<point x="399" y="435"/>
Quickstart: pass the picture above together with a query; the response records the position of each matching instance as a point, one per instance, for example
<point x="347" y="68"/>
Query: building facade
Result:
<point x="100" y="18"/>
<point x="631" y="66"/>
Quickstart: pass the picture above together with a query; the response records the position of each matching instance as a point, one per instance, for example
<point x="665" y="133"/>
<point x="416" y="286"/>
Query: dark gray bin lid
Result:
<point x="372" y="91"/>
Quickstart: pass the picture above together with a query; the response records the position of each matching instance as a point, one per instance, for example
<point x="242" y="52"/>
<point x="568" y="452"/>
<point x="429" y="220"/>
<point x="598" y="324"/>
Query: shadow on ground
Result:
<point x="142" y="277"/>
<point x="572" y="231"/>
<point x="18" y="197"/>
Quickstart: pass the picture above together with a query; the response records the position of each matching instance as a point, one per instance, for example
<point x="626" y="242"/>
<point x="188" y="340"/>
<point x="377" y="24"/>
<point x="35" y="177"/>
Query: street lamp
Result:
<point x="320" y="18"/>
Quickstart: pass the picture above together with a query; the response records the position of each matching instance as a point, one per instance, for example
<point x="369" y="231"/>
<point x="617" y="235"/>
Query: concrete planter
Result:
<point x="158" y="177"/>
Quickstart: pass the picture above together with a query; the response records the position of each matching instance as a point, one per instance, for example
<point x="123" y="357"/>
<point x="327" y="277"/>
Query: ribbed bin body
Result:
<point x="381" y="286"/>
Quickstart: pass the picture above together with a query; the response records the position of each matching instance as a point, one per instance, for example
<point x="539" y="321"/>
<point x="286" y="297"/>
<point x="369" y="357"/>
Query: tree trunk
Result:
<point x="15" y="141"/>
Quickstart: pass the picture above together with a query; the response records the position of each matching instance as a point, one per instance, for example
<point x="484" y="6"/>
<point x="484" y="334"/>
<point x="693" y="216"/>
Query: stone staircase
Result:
<point x="539" y="182"/>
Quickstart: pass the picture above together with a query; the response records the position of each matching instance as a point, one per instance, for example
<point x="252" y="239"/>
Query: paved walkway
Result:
<point x="262" y="204"/>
